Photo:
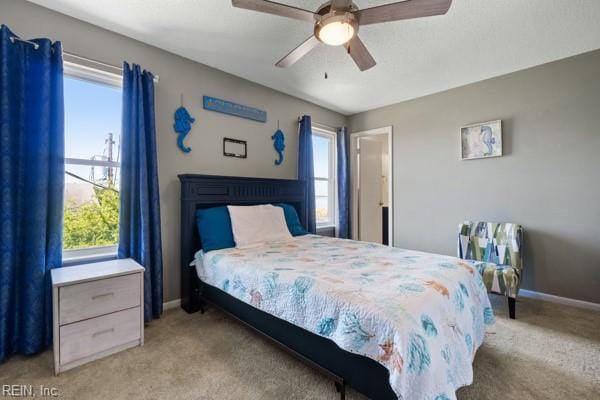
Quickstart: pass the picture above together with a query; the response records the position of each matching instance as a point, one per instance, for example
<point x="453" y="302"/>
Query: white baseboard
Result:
<point x="171" y="304"/>
<point x="560" y="300"/>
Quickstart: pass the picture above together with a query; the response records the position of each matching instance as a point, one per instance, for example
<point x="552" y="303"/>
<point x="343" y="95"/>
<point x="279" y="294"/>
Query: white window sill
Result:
<point x="89" y="255"/>
<point x="326" y="226"/>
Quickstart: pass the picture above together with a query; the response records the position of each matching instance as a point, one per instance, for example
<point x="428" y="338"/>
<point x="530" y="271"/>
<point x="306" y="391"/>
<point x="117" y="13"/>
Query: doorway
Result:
<point x="372" y="178"/>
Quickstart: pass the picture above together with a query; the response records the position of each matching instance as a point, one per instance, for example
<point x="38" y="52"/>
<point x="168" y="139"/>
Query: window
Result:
<point x="325" y="177"/>
<point x="92" y="155"/>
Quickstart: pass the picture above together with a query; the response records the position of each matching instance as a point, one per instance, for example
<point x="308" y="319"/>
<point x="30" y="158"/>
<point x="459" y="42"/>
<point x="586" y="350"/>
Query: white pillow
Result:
<point x="253" y="225"/>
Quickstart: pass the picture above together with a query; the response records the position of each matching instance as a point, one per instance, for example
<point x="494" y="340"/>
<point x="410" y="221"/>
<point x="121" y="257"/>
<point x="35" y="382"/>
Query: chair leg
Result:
<point x="340" y="387"/>
<point x="511" y="307"/>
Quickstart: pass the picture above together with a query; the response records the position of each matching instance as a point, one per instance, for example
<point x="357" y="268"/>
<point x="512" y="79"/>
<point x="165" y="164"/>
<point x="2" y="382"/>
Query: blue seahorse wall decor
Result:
<point x="183" y="126"/>
<point x="488" y="139"/>
<point x="278" y="143"/>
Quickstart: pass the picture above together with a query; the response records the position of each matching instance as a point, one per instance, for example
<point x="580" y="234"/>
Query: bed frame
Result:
<point x="204" y="191"/>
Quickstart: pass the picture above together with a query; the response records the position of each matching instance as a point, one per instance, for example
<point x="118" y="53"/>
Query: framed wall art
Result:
<point x="235" y="148"/>
<point x="481" y="140"/>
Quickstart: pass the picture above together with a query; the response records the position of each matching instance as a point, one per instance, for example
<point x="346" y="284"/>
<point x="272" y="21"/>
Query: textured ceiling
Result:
<point x="476" y="40"/>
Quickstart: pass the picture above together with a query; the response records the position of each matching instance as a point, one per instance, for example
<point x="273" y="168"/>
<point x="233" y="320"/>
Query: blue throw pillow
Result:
<point x="292" y="220"/>
<point x="214" y="226"/>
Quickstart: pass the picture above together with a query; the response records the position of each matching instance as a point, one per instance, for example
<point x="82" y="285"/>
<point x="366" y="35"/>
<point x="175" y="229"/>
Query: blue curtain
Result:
<point x="139" y="212"/>
<point x="31" y="195"/>
<point x="306" y="170"/>
<point x="343" y="182"/>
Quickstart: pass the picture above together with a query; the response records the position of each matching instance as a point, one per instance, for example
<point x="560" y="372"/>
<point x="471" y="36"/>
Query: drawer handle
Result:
<point x="111" y="330"/>
<point x="98" y="296"/>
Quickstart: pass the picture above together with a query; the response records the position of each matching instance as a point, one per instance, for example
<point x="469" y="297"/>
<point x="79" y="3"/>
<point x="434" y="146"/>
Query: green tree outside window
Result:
<point x="95" y="223"/>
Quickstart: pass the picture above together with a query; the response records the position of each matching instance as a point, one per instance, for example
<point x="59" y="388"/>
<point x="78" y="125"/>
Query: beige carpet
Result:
<point x="549" y="352"/>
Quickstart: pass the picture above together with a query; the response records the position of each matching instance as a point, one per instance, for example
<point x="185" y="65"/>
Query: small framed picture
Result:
<point x="235" y="148"/>
<point x="481" y="140"/>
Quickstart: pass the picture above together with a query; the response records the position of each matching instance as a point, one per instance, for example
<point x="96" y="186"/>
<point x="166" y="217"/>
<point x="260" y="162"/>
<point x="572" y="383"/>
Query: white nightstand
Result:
<point x="98" y="310"/>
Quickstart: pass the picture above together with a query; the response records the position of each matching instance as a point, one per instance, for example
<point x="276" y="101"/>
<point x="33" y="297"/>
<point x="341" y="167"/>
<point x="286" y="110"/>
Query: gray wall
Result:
<point x="547" y="180"/>
<point x="178" y="75"/>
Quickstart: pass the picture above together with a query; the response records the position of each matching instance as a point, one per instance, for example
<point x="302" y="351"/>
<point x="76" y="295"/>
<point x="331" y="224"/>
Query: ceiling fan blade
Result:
<point x="403" y="10"/>
<point x="298" y="52"/>
<point x="341" y="4"/>
<point x="270" y="7"/>
<point x="359" y="53"/>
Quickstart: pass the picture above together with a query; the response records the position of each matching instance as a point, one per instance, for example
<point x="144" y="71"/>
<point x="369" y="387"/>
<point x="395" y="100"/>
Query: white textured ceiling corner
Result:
<point x="476" y="40"/>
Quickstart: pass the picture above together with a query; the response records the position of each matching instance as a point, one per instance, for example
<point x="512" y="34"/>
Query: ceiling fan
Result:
<point x="337" y="23"/>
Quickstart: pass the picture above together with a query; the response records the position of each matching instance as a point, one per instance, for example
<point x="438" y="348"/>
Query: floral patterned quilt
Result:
<point x="421" y="315"/>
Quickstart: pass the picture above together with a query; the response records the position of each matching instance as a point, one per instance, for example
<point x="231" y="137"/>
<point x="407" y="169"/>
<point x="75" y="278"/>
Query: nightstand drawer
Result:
<point x="93" y="336"/>
<point x="91" y="299"/>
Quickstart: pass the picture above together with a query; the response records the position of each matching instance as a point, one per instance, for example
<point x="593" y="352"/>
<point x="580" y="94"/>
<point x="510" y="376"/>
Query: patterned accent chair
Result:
<point x="498" y="247"/>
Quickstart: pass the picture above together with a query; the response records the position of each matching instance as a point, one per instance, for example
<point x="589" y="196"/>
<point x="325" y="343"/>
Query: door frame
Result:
<point x="385" y="130"/>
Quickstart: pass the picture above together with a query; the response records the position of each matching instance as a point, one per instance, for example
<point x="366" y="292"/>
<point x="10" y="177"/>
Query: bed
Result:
<point x="391" y="323"/>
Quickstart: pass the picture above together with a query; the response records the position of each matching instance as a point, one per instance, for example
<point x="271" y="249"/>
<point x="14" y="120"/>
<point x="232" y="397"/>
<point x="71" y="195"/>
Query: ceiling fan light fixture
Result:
<point x="336" y="30"/>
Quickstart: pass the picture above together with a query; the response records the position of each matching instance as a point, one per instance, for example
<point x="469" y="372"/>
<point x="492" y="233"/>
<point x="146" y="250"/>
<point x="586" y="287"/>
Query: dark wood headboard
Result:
<point x="205" y="191"/>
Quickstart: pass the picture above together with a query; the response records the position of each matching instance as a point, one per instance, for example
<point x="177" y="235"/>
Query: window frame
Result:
<point x="99" y="77"/>
<point x="332" y="222"/>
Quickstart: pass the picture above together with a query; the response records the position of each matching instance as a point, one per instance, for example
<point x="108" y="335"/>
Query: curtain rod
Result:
<point x="90" y="60"/>
<point x="323" y="126"/>
<point x="34" y="44"/>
